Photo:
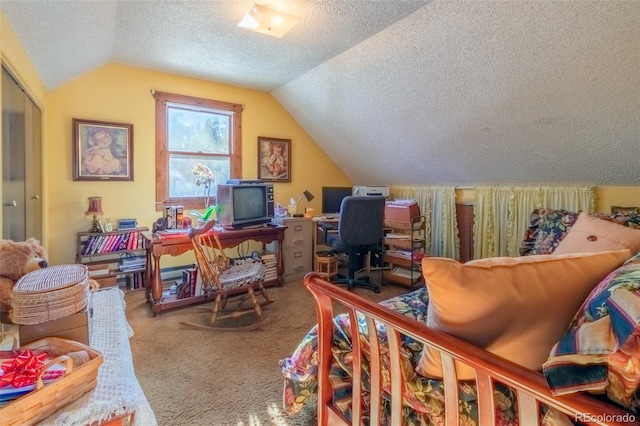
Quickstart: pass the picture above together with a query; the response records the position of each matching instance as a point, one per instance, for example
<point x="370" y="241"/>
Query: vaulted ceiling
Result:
<point x="396" y="92"/>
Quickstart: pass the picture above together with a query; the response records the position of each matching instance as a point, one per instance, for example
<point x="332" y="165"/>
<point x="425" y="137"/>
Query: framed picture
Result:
<point x="625" y="210"/>
<point x="274" y="159"/>
<point x="102" y="150"/>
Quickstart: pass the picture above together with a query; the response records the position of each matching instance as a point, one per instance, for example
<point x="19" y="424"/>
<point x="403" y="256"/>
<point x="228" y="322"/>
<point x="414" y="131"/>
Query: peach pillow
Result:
<point x="590" y="234"/>
<point x="515" y="307"/>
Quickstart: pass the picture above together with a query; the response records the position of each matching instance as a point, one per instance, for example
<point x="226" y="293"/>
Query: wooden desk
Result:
<point x="176" y="245"/>
<point x="319" y="244"/>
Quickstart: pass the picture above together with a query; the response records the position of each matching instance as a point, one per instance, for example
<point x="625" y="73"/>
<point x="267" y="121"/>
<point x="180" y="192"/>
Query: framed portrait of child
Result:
<point x="274" y="159"/>
<point x="102" y="150"/>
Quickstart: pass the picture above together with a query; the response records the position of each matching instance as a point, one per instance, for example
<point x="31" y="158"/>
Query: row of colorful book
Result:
<point x="107" y="243"/>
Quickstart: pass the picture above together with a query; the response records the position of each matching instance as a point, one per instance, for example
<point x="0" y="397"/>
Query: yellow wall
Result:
<point x="624" y="196"/>
<point x="15" y="57"/>
<point x="121" y="93"/>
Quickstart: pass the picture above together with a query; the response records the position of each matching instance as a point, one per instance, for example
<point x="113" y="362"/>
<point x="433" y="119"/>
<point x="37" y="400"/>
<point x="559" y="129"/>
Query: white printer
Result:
<point x="371" y="191"/>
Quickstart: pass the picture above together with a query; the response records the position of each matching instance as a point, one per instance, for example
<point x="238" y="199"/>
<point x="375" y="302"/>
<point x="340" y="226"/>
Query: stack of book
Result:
<point x="269" y="260"/>
<point x="190" y="278"/>
<point x="402" y="253"/>
<point x="132" y="263"/>
<point x="398" y="236"/>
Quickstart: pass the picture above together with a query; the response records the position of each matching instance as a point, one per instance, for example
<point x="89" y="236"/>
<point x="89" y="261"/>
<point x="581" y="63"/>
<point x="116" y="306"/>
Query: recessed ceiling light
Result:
<point x="266" y="20"/>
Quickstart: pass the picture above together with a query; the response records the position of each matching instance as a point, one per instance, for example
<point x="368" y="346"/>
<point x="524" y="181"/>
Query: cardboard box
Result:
<point x="400" y="212"/>
<point x="73" y="327"/>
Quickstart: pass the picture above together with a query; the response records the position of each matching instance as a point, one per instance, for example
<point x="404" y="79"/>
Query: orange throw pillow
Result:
<point x="515" y="307"/>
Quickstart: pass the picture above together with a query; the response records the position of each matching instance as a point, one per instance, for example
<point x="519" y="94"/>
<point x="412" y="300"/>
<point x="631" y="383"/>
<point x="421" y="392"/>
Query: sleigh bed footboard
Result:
<point x="385" y="383"/>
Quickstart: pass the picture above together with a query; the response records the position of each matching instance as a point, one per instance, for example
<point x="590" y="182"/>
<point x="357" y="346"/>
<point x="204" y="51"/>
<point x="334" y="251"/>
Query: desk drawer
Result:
<point x="297" y="262"/>
<point x="298" y="234"/>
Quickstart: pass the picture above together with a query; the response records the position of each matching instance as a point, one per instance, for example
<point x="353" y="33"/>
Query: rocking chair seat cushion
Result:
<point x="240" y="275"/>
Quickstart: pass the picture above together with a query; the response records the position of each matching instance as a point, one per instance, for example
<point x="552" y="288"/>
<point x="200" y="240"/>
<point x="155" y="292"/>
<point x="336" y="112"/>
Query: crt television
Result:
<point x="243" y="204"/>
<point x="332" y="198"/>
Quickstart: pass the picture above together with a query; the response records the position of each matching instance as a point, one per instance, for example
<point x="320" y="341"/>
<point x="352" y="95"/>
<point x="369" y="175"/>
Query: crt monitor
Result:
<point x="332" y="198"/>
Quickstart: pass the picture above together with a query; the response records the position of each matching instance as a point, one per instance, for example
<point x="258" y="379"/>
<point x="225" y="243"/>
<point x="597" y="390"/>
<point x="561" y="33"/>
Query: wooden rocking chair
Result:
<point x="220" y="280"/>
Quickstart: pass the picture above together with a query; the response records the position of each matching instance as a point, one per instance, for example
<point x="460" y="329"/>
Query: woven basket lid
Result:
<point x="50" y="293"/>
<point x="51" y="278"/>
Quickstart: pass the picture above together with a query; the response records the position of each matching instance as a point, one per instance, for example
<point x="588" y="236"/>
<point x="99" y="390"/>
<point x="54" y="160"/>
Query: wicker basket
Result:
<point x="46" y="399"/>
<point x="50" y="293"/>
<point x="398" y="224"/>
<point x="408" y="243"/>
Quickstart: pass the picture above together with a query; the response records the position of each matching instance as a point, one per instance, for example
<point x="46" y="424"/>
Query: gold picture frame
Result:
<point x="102" y="150"/>
<point x="274" y="159"/>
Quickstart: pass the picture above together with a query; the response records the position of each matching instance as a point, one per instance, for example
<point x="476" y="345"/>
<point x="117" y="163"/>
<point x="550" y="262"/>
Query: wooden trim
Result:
<point x="465" y="218"/>
<point x="489" y="368"/>
<point x="162" y="152"/>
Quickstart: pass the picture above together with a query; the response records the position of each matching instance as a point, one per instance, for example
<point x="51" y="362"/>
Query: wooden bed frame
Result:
<point x="530" y="386"/>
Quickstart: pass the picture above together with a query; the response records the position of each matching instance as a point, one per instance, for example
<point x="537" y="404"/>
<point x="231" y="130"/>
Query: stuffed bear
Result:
<point x="16" y="260"/>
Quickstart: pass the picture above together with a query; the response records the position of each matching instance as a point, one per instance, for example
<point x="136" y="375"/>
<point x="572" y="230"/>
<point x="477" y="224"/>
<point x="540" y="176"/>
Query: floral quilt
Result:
<point x="423" y="398"/>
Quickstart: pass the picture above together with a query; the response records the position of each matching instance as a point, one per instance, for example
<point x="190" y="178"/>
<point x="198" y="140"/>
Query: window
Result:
<point x="192" y="131"/>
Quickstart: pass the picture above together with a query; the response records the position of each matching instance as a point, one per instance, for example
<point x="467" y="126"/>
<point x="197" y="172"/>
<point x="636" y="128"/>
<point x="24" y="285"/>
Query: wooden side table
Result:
<point x="179" y="243"/>
<point x="326" y="266"/>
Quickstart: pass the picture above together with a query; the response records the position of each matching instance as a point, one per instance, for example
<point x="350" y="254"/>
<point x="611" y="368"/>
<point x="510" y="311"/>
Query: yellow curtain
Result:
<point x="502" y="214"/>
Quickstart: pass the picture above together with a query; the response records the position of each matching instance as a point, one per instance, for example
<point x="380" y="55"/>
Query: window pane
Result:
<point x="198" y="131"/>
<point x="182" y="181"/>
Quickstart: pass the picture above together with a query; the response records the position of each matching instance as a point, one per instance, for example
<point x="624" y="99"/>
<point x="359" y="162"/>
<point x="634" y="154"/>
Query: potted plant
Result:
<point x="205" y="177"/>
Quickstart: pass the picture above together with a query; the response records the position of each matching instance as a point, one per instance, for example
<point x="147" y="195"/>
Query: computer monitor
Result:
<point x="332" y="198"/>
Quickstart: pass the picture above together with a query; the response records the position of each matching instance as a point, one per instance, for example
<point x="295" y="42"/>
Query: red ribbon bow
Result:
<point x="22" y="370"/>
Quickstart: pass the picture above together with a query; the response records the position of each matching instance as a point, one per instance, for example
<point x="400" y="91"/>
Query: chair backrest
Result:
<point x="361" y="220"/>
<point x="210" y="258"/>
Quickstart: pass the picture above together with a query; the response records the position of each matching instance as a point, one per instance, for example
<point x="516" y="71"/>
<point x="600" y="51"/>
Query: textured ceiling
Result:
<point x="442" y="92"/>
<point x="195" y="38"/>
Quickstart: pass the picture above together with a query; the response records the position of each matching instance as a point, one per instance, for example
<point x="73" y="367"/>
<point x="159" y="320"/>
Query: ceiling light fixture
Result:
<point x="266" y="20"/>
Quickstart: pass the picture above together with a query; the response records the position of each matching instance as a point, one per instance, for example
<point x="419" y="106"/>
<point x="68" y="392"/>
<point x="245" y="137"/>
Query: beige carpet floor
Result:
<point x="196" y="377"/>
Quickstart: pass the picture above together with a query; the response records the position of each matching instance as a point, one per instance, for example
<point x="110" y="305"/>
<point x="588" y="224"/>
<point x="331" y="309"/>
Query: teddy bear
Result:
<point x="16" y="260"/>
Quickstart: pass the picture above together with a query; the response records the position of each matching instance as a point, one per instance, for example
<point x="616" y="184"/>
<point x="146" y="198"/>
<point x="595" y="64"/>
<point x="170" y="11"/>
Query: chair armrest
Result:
<point x="326" y="227"/>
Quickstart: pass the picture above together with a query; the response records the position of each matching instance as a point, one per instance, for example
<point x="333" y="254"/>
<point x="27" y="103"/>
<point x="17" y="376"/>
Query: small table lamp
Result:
<point x="95" y="209"/>
<point x="306" y="194"/>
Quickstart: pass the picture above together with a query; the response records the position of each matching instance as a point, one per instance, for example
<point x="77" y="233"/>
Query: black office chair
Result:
<point x="359" y="231"/>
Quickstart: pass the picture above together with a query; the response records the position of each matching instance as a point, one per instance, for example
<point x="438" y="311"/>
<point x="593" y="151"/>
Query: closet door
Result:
<point x="33" y="167"/>
<point x="21" y="163"/>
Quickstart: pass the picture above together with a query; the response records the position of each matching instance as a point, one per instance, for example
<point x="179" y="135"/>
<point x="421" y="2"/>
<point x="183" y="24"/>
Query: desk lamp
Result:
<point x="306" y="194"/>
<point x="95" y="209"/>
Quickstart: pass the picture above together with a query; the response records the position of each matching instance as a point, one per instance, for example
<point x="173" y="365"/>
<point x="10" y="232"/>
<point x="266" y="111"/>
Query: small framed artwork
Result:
<point x="102" y="150"/>
<point x="274" y="159"/>
<point x="625" y="210"/>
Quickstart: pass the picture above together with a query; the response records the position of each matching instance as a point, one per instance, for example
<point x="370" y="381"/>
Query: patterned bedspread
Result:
<point x="423" y="398"/>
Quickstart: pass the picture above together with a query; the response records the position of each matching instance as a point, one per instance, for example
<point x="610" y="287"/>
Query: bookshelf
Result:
<point x="114" y="258"/>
